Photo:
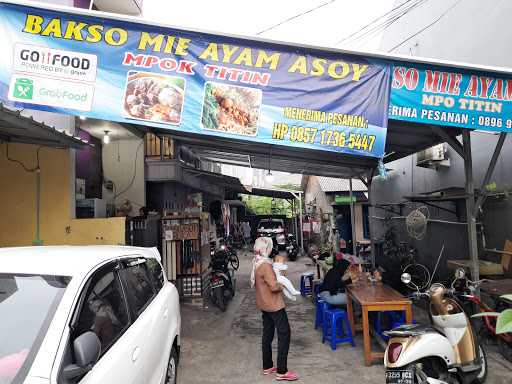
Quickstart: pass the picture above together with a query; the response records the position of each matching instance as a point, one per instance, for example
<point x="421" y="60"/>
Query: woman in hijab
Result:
<point x="269" y="300"/>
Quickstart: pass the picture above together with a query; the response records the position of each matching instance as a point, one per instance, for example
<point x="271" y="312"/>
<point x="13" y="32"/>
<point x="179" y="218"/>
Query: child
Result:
<point x="280" y="270"/>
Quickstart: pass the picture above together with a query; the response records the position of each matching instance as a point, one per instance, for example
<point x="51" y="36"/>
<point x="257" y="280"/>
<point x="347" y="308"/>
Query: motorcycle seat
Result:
<point x="410" y="330"/>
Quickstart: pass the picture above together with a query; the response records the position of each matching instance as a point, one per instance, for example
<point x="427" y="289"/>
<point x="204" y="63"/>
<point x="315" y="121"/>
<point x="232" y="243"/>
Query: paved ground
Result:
<point x="225" y="347"/>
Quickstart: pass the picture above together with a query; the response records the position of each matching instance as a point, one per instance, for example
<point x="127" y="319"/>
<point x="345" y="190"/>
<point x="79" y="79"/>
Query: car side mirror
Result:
<point x="87" y="348"/>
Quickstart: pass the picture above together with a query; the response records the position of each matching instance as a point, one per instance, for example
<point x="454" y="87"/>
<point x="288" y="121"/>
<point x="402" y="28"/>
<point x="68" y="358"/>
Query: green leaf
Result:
<point x="504" y="323"/>
<point x="507" y="297"/>
<point x="487" y="314"/>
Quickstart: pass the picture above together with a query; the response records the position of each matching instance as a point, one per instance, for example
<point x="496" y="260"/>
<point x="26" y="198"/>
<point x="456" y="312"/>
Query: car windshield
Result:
<point x="27" y="306"/>
<point x="271" y="224"/>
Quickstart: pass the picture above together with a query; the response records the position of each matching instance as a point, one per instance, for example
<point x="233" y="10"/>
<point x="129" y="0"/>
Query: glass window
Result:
<point x="104" y="309"/>
<point x="139" y="290"/>
<point x="27" y="306"/>
<point x="156" y="273"/>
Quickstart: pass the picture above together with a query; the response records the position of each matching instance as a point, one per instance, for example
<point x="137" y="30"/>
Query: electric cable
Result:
<point x="295" y="17"/>
<point x="360" y="36"/>
<point x="28" y="170"/>
<point x="134" y="173"/>
<point x="375" y="20"/>
<point x="426" y="27"/>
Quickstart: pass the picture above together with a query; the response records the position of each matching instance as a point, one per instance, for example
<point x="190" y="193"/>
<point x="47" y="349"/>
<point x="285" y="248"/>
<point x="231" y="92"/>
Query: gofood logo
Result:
<point x="55" y="63"/>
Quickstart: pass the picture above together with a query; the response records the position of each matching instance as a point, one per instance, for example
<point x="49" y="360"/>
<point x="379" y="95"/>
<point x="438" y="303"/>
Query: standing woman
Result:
<point x="269" y="300"/>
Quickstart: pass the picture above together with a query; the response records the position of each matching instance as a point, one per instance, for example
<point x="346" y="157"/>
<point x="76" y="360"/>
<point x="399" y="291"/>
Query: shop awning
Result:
<point x="17" y="128"/>
<point x="275" y="193"/>
<point x="228" y="182"/>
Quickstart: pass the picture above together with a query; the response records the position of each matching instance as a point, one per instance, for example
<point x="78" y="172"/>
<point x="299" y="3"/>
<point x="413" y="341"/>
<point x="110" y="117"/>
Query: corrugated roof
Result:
<point x="17" y="128"/>
<point x="331" y="184"/>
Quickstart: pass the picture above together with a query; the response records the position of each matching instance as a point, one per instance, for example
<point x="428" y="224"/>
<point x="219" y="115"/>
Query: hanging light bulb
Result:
<point x="82" y="117"/>
<point x="269" y="177"/>
<point x="106" y="138"/>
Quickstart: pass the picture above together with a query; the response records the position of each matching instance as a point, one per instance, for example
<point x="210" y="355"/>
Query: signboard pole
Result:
<point x="300" y="220"/>
<point x="470" y="204"/>
<point x="352" y="217"/>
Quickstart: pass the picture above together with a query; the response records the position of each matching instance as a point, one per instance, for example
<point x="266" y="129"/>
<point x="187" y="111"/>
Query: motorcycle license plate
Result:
<point x="216" y="284"/>
<point x="400" y="377"/>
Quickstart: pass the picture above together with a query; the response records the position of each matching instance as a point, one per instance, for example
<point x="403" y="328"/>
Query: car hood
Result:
<point x="35" y="380"/>
<point x="271" y="230"/>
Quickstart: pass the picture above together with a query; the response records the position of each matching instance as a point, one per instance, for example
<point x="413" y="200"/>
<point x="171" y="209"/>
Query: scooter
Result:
<point x="223" y="263"/>
<point x="292" y="250"/>
<point x="487" y="327"/>
<point x="445" y="353"/>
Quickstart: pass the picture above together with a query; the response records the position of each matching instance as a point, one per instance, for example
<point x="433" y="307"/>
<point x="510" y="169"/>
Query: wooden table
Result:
<point x="374" y="298"/>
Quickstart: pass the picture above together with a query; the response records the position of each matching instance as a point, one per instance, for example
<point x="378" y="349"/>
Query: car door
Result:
<point x="165" y="324"/>
<point x="104" y="310"/>
<point x="147" y="309"/>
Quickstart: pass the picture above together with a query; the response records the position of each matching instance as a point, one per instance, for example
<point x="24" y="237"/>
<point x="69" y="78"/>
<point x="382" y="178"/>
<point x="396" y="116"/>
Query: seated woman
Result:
<point x="333" y="287"/>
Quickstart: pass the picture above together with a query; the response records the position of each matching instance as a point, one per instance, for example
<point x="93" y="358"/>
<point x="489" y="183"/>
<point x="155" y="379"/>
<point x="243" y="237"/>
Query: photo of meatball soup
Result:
<point x="154" y="97"/>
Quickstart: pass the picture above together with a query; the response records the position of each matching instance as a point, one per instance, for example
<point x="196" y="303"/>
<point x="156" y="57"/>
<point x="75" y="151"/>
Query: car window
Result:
<point x="104" y="309"/>
<point x="27" y="306"/>
<point x="139" y="290"/>
<point x="156" y="273"/>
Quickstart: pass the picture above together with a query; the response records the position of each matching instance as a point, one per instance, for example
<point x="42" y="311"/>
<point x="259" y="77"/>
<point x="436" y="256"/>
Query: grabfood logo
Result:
<point x="57" y="93"/>
<point x="23" y="88"/>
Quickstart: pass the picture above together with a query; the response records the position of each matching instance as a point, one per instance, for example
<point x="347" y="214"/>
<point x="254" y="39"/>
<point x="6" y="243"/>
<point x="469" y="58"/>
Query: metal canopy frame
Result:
<point x="472" y="207"/>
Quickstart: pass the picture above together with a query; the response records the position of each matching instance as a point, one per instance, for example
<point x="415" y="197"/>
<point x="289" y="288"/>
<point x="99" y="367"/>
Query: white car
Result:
<point x="91" y="314"/>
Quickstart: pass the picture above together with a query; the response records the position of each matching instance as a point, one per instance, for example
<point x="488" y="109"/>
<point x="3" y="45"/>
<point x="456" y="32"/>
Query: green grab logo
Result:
<point x="23" y="88"/>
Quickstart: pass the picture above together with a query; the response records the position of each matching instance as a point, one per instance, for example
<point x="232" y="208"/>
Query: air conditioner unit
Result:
<point x="433" y="157"/>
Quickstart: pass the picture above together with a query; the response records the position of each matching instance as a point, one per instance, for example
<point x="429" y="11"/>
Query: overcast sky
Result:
<point x="325" y="26"/>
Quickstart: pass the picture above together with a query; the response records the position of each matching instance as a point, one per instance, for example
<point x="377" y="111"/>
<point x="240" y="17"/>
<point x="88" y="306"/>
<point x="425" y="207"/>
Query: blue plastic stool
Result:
<point x="321" y="307"/>
<point x="397" y="318"/>
<point x="306" y="283"/>
<point x="336" y="328"/>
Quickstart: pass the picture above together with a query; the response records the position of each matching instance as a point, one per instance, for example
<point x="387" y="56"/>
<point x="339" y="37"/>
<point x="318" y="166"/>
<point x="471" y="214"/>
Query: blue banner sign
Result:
<point x="192" y="82"/>
<point x="451" y="98"/>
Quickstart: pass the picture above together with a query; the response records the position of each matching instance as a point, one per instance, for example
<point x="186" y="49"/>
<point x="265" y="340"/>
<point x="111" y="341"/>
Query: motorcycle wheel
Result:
<point x="482" y="375"/>
<point x="235" y="262"/>
<point x="505" y="349"/>
<point x="436" y="369"/>
<point x="219" y="298"/>
<point x="292" y="256"/>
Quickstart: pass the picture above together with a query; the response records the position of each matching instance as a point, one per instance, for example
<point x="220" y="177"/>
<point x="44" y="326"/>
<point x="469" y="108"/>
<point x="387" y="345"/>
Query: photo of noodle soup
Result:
<point x="231" y="109"/>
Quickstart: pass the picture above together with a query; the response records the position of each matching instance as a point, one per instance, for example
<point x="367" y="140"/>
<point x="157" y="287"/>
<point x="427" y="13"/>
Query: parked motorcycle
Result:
<point x="292" y="249"/>
<point x="486" y="328"/>
<point x="223" y="263"/>
<point x="445" y="353"/>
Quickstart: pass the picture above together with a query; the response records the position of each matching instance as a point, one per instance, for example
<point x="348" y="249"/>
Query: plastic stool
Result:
<point x="306" y="283"/>
<point x="321" y="307"/>
<point x="397" y="318"/>
<point x="336" y="328"/>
